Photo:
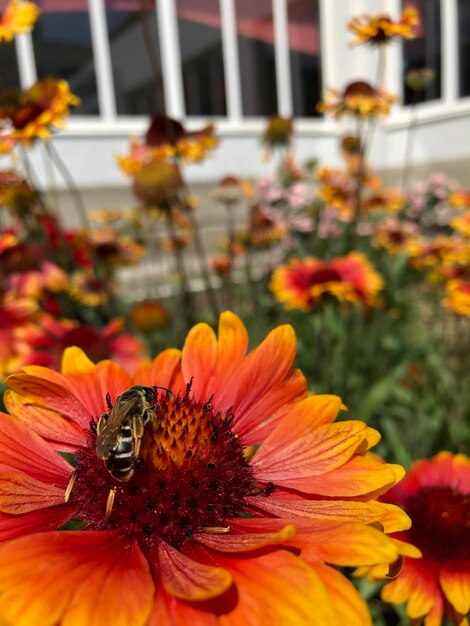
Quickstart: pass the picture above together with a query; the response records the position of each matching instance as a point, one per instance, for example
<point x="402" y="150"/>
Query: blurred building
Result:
<point x="236" y="62"/>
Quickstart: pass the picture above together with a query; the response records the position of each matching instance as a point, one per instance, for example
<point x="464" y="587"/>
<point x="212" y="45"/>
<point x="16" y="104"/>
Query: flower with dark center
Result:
<point x="301" y="283"/>
<point x="381" y="29"/>
<point x="240" y="495"/>
<point x="358" y="99"/>
<point x="18" y="17"/>
<point x="436" y="495"/>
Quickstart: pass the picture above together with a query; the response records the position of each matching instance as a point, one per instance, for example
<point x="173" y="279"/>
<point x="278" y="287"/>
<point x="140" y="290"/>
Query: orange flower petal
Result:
<point x="305" y="416"/>
<point x="50" y="389"/>
<point x="245" y="542"/>
<point x="294" y="462"/>
<point x="277" y="588"/>
<point x="91" y="382"/>
<point x="199" y="359"/>
<point x="19" y="493"/>
<point x="69" y="577"/>
<point x="164" y="370"/>
<point x="23" y="450"/>
<point x="350" y="607"/>
<point x="456" y="585"/>
<point x="12" y="526"/>
<point x="333" y="510"/>
<point x="344" y="544"/>
<point x="62" y="433"/>
<point x="189" y="580"/>
<point x="359" y="477"/>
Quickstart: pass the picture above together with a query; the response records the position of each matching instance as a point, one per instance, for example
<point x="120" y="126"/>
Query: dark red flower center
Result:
<point x="191" y="474"/>
<point x="441" y="523"/>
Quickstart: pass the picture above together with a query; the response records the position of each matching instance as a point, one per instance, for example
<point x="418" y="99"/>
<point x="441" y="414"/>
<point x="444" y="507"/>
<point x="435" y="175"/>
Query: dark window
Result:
<point x="201" y="57"/>
<point x="62" y="47"/>
<point x="256" y="53"/>
<point x="135" y="57"/>
<point x="304" y="46"/>
<point x="425" y="50"/>
<point x="9" y="75"/>
<point x="464" y="47"/>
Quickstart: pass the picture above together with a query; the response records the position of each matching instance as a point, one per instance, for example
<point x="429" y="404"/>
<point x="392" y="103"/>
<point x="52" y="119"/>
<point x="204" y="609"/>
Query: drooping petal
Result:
<point x="350" y="607"/>
<point x="295" y="462"/>
<point x="244" y="542"/>
<point x="20" y="493"/>
<point x="74" y="578"/>
<point x="455" y="582"/>
<point x="187" y="579"/>
<point x="417" y="584"/>
<point x="346" y="545"/>
<point x="23" y="450"/>
<point x="63" y="434"/>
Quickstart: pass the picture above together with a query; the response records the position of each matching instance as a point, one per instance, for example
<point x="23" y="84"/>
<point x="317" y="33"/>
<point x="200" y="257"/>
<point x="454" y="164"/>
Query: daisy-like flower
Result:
<point x="301" y="283"/>
<point x="243" y="498"/>
<point x="18" y="17"/>
<point x="395" y="235"/>
<point x="278" y="132"/>
<point x="37" y="112"/>
<point x="381" y="29"/>
<point x="462" y="224"/>
<point x="359" y="99"/>
<point x="266" y="227"/>
<point x="457" y="298"/>
<point x="435" y="494"/>
<point x="149" y="315"/>
<point x="166" y="139"/>
<point x="43" y="343"/>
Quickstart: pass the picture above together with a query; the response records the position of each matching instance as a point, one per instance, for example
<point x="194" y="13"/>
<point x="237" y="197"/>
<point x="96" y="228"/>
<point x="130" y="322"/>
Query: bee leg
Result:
<point x="109" y="404"/>
<point x="68" y="491"/>
<point x="110" y="501"/>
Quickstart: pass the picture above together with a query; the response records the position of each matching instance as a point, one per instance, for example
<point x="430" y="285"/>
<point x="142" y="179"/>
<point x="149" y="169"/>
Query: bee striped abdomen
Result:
<point x="121" y="459"/>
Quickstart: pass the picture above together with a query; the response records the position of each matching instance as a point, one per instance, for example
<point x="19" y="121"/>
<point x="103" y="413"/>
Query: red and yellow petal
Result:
<point x="74" y="578"/>
<point x="187" y="579"/>
<point x="62" y="433"/>
<point x="20" y="493"/>
<point x="350" y="608"/>
<point x="455" y="583"/>
<point x="13" y="526"/>
<point x="24" y="451"/>
<point x="293" y="461"/>
<point x="243" y="542"/>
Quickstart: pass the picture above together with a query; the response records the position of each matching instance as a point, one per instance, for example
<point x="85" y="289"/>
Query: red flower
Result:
<point x="208" y="530"/>
<point x="436" y="495"/>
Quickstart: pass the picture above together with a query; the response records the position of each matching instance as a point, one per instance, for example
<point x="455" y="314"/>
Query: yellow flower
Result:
<point x="18" y="17"/>
<point x="381" y="29"/>
<point x="359" y="99"/>
<point x="462" y="224"/>
<point x="457" y="297"/>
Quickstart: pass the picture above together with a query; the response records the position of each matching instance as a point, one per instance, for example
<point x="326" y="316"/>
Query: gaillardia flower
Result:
<point x="436" y="495"/>
<point x="359" y="99"/>
<point x="379" y="30"/>
<point x="243" y="497"/>
<point x="457" y="297"/>
<point x="301" y="283"/>
<point x="18" y="17"/>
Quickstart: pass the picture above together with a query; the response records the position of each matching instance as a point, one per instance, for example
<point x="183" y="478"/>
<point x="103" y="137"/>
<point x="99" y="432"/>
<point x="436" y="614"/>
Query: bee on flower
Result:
<point x="245" y="497"/>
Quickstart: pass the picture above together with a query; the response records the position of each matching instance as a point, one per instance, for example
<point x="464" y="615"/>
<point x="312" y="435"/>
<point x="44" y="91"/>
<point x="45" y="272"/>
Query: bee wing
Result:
<point x="109" y="434"/>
